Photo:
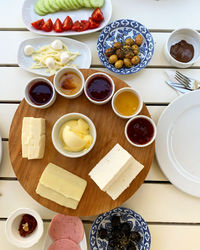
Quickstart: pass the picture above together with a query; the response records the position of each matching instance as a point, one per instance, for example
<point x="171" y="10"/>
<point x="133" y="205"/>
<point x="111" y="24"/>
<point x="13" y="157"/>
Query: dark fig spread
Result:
<point x="27" y="225"/>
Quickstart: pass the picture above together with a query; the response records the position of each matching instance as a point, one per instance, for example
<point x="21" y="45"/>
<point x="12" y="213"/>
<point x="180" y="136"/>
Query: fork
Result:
<point x="188" y="83"/>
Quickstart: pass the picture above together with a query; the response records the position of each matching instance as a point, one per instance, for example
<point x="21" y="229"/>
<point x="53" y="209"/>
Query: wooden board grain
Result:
<point x="110" y="130"/>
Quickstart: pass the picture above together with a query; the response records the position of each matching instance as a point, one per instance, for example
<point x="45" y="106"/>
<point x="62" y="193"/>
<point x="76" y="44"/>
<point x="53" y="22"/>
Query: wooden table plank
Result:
<point x="153" y="14"/>
<point x="151" y="201"/>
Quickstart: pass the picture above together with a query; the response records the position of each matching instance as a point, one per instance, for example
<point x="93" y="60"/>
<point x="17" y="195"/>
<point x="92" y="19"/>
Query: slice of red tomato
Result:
<point x="97" y="15"/>
<point x="47" y="26"/>
<point x="93" y="24"/>
<point x="57" y="27"/>
<point x="76" y="26"/>
<point x="38" y="24"/>
<point x="67" y="24"/>
<point x="84" y="25"/>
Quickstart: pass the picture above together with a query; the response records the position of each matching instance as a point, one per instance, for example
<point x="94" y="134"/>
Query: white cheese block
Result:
<point x="107" y="171"/>
<point x="125" y="179"/>
<point x="61" y="186"/>
<point x="33" y="138"/>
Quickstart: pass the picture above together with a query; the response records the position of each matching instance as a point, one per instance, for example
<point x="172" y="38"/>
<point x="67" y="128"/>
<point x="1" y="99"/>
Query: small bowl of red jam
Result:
<point x="140" y="131"/>
<point x="24" y="228"/>
<point x="40" y="93"/>
<point x="69" y="82"/>
<point x="99" y="88"/>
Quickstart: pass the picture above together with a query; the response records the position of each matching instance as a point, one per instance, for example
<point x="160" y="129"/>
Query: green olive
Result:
<point x="112" y="59"/>
<point x="117" y="45"/>
<point x="139" y="39"/>
<point x="119" y="64"/>
<point x="135" y="60"/>
<point x="109" y="52"/>
<point x="129" y="41"/>
<point x="127" y="63"/>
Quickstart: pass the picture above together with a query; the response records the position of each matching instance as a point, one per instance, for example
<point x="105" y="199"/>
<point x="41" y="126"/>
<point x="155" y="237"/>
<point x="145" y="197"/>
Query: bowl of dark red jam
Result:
<point x="140" y="131"/>
<point x="99" y="88"/>
<point x="40" y="93"/>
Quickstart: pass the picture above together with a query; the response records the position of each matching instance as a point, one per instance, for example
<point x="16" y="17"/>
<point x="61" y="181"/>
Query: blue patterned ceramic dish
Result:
<point x="118" y="31"/>
<point x="136" y="222"/>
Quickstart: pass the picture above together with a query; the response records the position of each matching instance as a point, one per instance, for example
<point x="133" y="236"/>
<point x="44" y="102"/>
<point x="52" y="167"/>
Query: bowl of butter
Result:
<point x="74" y="135"/>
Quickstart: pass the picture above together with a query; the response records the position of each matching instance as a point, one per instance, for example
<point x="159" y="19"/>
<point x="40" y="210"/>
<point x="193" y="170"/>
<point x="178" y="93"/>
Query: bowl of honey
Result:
<point x="69" y="82"/>
<point x="126" y="103"/>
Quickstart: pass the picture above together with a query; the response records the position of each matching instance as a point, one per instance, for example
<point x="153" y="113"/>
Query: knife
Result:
<point x="177" y="86"/>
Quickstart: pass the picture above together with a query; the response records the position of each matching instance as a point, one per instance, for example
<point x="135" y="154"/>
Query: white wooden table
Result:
<point x="173" y="216"/>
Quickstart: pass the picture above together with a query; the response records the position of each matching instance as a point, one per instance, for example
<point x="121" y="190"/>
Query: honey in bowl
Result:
<point x="126" y="103"/>
<point x="70" y="83"/>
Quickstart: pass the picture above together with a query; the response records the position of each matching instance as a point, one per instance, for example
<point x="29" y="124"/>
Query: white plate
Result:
<point x="178" y="143"/>
<point x="1" y="148"/>
<point x="83" y="61"/>
<point x="49" y="241"/>
<point x="29" y="16"/>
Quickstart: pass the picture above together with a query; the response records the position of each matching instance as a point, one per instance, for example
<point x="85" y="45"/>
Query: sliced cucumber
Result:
<point x="47" y="6"/>
<point x="76" y="3"/>
<point x="54" y="5"/>
<point x="40" y="6"/>
<point x="60" y="4"/>
<point x="81" y="2"/>
<point x="38" y="11"/>
<point x="87" y="4"/>
<point x="66" y="4"/>
<point x="71" y="5"/>
<point x="97" y="3"/>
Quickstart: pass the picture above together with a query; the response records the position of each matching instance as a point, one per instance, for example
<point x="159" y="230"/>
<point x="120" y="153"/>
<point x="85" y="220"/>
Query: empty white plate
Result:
<point x="83" y="61"/>
<point x="29" y="16"/>
<point x="178" y="143"/>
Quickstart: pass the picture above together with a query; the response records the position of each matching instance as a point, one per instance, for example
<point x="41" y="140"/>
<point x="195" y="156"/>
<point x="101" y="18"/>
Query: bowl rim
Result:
<point x="106" y="76"/>
<point x="68" y="153"/>
<point x="192" y="61"/>
<point x="56" y="81"/>
<point x="129" y="89"/>
<point x="8" y="231"/>
<point x="99" y="41"/>
<point x="154" y="127"/>
<point x="30" y="83"/>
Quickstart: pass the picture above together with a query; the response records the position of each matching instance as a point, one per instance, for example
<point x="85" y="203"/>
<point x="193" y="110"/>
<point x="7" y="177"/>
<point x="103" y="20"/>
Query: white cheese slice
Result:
<point x="110" y="167"/>
<point x="125" y="179"/>
<point x="33" y="138"/>
<point x="61" y="186"/>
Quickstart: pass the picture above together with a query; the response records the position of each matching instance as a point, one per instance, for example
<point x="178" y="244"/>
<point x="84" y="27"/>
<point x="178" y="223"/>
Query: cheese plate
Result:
<point x="110" y="131"/>
<point x="82" y="61"/>
<point x="49" y="241"/>
<point x="29" y="16"/>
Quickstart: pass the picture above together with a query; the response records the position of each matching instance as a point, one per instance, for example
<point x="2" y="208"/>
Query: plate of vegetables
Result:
<point x="125" y="46"/>
<point x="120" y="228"/>
<point x="66" y="17"/>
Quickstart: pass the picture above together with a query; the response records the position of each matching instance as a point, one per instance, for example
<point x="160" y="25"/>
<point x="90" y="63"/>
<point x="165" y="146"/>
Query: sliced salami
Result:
<point x="66" y="227"/>
<point x="64" y="244"/>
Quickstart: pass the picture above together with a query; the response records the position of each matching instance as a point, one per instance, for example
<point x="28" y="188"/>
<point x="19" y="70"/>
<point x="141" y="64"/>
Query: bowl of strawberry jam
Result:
<point x="99" y="88"/>
<point x="40" y="93"/>
<point x="140" y="131"/>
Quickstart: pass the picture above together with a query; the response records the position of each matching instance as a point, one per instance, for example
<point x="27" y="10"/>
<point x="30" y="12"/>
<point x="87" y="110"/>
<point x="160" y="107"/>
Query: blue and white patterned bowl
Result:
<point x="136" y="222"/>
<point x="118" y="31"/>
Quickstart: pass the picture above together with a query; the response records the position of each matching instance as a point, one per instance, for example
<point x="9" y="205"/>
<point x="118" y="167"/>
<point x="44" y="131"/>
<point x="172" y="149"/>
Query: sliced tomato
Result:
<point x="97" y="15"/>
<point x="84" y="25"/>
<point x="93" y="24"/>
<point x="47" y="26"/>
<point x="76" y="26"/>
<point x="57" y="27"/>
<point x="38" y="24"/>
<point x="67" y="24"/>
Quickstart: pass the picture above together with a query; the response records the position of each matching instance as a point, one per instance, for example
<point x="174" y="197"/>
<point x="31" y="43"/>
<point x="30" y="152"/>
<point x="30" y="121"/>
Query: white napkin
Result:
<point x="171" y="74"/>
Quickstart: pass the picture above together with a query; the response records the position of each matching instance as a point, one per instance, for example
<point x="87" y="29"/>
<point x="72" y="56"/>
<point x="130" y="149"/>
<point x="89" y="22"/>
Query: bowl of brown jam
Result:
<point x="140" y="131"/>
<point x="69" y="82"/>
<point x="40" y="93"/>
<point x="99" y="88"/>
<point x="182" y="48"/>
<point x="24" y="227"/>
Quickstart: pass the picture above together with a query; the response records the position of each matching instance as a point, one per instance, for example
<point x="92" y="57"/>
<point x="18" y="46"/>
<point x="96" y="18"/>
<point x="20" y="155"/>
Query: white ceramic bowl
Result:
<point x="130" y="90"/>
<point x="154" y="127"/>
<point x="30" y="84"/>
<point x="190" y="36"/>
<point x="12" y="225"/>
<point x="56" y="129"/>
<point x="63" y="71"/>
<point x="109" y="79"/>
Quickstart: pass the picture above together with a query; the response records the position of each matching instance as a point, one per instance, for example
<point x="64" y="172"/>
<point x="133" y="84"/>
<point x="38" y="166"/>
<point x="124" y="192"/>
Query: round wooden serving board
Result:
<point x="110" y="130"/>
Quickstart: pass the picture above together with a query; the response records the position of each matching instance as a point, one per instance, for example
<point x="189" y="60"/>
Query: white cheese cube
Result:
<point x="107" y="171"/>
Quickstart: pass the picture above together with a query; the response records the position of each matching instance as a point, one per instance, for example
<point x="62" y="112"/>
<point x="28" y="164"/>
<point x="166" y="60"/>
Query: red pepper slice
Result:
<point x="47" y="26"/>
<point x="57" y="26"/>
<point x="97" y="15"/>
<point x="38" y="24"/>
<point x="67" y="24"/>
